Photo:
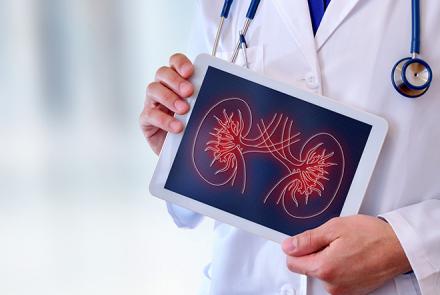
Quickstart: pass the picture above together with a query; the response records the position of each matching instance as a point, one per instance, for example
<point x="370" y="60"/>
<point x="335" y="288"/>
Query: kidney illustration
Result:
<point x="313" y="168"/>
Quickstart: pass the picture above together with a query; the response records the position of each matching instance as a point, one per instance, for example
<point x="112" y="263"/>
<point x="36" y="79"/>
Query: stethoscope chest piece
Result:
<point x="411" y="77"/>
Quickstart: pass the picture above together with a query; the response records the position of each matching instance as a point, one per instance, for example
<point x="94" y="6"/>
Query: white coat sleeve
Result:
<point x="197" y="44"/>
<point x="418" y="229"/>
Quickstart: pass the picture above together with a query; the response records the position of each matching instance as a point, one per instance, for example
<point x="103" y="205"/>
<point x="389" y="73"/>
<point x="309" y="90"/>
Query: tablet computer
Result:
<point x="266" y="157"/>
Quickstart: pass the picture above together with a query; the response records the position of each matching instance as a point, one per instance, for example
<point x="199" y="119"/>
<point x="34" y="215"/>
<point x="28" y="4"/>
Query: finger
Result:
<point x="182" y="65"/>
<point x="306" y="265"/>
<point x="311" y="241"/>
<point x="156" y="92"/>
<point x="157" y="118"/>
<point x="316" y="265"/>
<point x="170" y="78"/>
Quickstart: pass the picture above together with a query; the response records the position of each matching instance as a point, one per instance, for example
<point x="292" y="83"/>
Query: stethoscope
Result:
<point x="241" y="44"/>
<point x="411" y="76"/>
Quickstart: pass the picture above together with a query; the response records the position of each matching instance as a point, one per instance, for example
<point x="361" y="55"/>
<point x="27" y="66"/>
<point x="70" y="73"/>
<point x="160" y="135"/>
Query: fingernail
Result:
<point x="290" y="245"/>
<point x="175" y="125"/>
<point x="185" y="88"/>
<point x="180" y="106"/>
<point x="186" y="69"/>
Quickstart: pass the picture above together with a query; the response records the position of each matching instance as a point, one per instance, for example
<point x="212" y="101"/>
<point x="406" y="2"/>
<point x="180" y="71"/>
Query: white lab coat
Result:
<point x="350" y="60"/>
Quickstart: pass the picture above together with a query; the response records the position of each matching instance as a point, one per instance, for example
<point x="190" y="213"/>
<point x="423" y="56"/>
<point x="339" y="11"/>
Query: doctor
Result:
<point x="349" y="58"/>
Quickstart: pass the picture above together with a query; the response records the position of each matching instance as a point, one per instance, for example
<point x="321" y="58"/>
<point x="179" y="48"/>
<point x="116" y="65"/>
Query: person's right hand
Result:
<point x="166" y="96"/>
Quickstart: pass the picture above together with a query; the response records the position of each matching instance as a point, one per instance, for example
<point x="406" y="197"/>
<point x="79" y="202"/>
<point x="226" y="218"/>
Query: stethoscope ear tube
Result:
<point x="253" y="7"/>
<point x="224" y="15"/>
<point x="252" y="10"/>
<point x="226" y="8"/>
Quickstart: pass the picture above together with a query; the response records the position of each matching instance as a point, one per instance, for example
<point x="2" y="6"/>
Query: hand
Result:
<point x="166" y="96"/>
<point x="351" y="255"/>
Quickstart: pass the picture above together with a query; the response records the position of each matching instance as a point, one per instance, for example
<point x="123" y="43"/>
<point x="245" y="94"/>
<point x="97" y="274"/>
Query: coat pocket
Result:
<point x="255" y="57"/>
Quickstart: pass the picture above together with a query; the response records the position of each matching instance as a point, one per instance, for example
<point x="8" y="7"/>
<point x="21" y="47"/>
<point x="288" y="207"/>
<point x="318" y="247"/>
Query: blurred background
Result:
<point x="75" y="213"/>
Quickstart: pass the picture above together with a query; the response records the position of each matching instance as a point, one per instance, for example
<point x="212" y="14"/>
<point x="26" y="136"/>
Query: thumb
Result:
<point x="310" y="241"/>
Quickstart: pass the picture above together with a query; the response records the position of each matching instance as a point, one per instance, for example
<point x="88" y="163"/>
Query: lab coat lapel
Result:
<point x="335" y="14"/>
<point x="295" y="14"/>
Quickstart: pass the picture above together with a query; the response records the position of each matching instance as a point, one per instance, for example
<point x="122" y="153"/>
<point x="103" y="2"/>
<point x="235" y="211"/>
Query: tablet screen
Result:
<point x="266" y="156"/>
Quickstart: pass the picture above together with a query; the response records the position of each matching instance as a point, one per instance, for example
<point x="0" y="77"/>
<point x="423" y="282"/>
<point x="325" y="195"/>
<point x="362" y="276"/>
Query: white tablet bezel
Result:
<point x="360" y="181"/>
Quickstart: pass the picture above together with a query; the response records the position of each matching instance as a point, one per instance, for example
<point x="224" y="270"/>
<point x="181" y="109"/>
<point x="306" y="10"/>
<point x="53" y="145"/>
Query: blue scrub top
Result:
<point x="317" y="9"/>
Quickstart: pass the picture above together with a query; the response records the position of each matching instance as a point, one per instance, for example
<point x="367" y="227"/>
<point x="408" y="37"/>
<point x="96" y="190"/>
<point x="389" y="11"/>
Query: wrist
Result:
<point x="403" y="265"/>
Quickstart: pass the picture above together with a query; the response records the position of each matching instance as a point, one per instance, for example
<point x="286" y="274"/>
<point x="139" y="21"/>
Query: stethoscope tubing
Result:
<point x="415" y="39"/>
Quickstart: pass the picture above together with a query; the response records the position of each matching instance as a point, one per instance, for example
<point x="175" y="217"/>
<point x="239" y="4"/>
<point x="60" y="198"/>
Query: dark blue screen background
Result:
<point x="262" y="171"/>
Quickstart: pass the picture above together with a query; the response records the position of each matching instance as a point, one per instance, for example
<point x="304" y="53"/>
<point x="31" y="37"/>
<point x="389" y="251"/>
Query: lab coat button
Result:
<point x="311" y="81"/>
<point x="287" y="289"/>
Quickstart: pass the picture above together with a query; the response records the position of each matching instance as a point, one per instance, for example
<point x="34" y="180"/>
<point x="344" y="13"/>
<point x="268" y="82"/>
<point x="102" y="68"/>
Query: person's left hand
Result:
<point x="351" y="255"/>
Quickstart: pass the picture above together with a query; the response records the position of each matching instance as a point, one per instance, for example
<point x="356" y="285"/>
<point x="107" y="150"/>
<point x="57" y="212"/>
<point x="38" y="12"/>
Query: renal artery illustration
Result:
<point x="226" y="136"/>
